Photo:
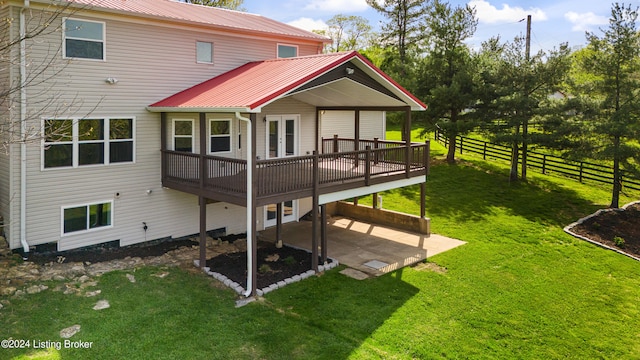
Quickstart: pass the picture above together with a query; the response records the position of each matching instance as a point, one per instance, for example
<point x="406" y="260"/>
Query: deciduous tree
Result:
<point x="227" y="4"/>
<point x="348" y="32"/>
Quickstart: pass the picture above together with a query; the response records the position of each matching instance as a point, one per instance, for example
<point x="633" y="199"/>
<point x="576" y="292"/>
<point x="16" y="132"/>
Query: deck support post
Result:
<point x="279" y="225"/>
<point x="423" y="207"/>
<point x="374" y="201"/>
<point x="314" y="215"/>
<point x="203" y="231"/>
<point x="323" y="233"/>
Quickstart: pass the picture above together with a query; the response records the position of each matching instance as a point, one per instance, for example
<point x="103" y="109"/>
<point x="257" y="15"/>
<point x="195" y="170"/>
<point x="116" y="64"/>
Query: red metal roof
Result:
<point x="202" y="15"/>
<point x="255" y="84"/>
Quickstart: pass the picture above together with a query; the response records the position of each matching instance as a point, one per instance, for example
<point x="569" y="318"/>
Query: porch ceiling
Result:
<point x="346" y="92"/>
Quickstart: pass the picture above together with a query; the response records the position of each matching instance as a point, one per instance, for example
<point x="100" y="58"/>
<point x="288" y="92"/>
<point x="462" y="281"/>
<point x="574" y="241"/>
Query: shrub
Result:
<point x="289" y="260"/>
<point x="618" y="241"/>
<point x="264" y="268"/>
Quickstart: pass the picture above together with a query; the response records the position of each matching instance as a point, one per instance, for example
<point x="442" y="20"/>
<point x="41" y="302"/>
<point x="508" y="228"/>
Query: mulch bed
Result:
<point x="101" y="253"/>
<point x="273" y="264"/>
<point x="606" y="226"/>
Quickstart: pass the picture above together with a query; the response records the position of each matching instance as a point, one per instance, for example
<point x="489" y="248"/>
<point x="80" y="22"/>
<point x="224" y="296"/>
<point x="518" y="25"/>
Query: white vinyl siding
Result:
<point x="342" y="123"/>
<point x="145" y="76"/>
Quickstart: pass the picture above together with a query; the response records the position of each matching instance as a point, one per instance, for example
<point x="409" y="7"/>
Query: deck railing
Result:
<point x="336" y="144"/>
<point x="220" y="175"/>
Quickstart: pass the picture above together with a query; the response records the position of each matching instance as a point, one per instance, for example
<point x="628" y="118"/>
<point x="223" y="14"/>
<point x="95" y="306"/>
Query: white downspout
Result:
<point x="250" y="208"/>
<point x="23" y="130"/>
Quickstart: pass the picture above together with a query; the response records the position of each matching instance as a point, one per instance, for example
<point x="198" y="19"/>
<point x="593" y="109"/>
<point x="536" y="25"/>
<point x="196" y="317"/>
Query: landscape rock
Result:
<point x="36" y="289"/>
<point x="69" y="332"/>
<point x="9" y="290"/>
<point x="131" y="278"/>
<point x="92" y="293"/>
<point x="101" y="305"/>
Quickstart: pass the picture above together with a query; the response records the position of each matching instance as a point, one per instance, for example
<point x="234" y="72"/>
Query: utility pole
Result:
<point x="525" y="122"/>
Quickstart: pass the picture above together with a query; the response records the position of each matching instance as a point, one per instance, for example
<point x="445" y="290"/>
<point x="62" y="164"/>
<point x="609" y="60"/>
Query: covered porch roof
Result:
<point x="345" y="79"/>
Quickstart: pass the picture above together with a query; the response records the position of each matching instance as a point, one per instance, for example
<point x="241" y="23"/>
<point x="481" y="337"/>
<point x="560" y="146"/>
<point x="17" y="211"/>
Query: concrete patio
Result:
<point x="370" y="248"/>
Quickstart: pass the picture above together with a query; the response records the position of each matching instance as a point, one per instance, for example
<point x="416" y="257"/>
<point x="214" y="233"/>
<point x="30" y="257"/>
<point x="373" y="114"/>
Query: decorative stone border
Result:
<point x="568" y="228"/>
<point x="260" y="292"/>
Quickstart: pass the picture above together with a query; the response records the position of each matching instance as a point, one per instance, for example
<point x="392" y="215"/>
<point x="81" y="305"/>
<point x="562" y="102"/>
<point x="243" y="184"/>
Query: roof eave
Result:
<point x="187" y="109"/>
<point x="239" y="30"/>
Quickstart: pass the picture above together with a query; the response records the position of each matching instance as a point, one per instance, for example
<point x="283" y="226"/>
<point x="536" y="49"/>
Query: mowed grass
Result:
<point x="519" y="289"/>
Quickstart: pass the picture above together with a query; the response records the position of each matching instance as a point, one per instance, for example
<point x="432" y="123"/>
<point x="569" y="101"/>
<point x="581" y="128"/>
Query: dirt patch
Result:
<point x="273" y="264"/>
<point x="616" y="229"/>
<point x="429" y="266"/>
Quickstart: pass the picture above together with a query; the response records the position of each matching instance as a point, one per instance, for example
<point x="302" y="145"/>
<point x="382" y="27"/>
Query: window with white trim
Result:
<point x="204" y="52"/>
<point x="183" y="139"/>
<point x="287" y="51"/>
<point x="87" y="217"/>
<point x="84" y="39"/>
<point x="82" y="142"/>
<point x="219" y="135"/>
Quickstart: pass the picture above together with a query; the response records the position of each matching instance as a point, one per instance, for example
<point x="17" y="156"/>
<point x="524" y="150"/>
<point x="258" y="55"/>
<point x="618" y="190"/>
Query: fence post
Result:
<point x="461" y="144"/>
<point x="581" y="170"/>
<point x="544" y="164"/>
<point x="484" y="151"/>
<point x="335" y="143"/>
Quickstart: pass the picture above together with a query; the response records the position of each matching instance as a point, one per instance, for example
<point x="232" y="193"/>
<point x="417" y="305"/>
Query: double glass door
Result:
<point x="282" y="141"/>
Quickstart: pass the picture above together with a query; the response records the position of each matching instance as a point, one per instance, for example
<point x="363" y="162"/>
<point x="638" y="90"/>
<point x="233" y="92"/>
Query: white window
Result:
<point x="204" y="52"/>
<point x="287" y="51"/>
<point x="81" y="142"/>
<point x="220" y="136"/>
<point x="84" y="39"/>
<point x="87" y="217"/>
<point x="183" y="135"/>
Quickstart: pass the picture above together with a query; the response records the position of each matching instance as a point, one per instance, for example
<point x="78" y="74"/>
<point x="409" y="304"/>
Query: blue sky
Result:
<point x="553" y="21"/>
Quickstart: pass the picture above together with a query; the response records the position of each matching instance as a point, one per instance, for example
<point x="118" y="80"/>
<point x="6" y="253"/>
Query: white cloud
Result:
<point x="583" y="21"/>
<point x="490" y="14"/>
<point x="337" y="6"/>
<point x="308" y="24"/>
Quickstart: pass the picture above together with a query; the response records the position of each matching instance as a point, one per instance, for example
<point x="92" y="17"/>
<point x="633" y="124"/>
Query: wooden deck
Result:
<point x="290" y="178"/>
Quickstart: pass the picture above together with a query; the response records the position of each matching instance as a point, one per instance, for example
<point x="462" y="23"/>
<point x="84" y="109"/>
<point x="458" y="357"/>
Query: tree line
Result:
<point x="583" y="104"/>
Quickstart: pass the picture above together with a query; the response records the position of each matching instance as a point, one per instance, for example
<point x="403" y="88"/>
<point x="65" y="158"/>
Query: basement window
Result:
<point x="87" y="217"/>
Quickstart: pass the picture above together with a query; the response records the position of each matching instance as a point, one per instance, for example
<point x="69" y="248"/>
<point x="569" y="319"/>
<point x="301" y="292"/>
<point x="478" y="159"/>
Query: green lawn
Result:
<point x="520" y="289"/>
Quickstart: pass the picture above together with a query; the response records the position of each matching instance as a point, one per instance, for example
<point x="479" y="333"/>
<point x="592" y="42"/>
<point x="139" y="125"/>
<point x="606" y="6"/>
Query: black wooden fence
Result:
<point x="544" y="163"/>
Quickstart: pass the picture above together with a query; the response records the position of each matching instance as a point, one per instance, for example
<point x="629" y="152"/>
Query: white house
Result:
<point x="157" y="119"/>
